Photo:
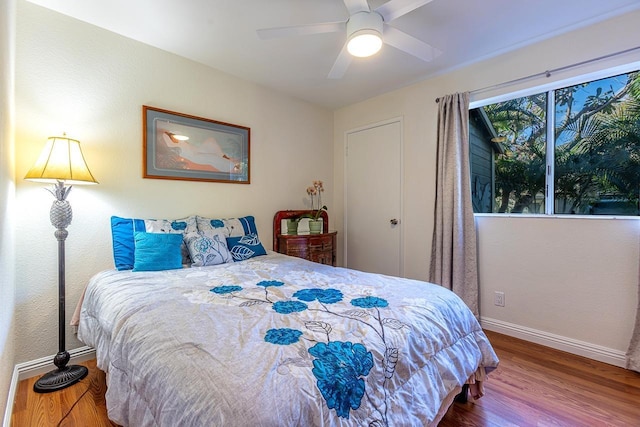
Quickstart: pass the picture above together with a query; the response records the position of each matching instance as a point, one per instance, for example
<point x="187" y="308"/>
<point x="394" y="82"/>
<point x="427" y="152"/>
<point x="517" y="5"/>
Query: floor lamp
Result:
<point x="61" y="162"/>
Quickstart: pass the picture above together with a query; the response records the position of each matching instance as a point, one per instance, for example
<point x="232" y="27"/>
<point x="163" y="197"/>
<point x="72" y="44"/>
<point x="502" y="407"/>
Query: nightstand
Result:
<point x="320" y="248"/>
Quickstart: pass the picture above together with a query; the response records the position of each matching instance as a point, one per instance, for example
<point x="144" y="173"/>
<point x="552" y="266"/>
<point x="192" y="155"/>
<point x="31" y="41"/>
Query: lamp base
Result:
<point x="60" y="378"/>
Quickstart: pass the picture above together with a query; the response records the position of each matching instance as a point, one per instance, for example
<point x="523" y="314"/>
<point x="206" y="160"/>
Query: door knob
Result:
<point x="393" y="221"/>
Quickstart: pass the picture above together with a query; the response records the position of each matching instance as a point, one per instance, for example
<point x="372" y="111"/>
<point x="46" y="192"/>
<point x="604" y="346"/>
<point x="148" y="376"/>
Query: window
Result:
<point x="592" y="166"/>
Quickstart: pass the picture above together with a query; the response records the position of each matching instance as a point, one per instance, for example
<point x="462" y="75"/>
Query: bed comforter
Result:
<point x="279" y="341"/>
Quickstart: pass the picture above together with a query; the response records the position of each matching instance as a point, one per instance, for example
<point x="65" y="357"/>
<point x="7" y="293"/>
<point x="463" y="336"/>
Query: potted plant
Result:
<point x="315" y="192"/>
<point x="292" y="225"/>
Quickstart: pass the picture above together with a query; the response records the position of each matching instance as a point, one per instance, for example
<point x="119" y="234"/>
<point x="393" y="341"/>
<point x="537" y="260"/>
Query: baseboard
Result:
<point x="570" y="345"/>
<point x="38" y="367"/>
<point x="45" y="364"/>
<point x="8" y="410"/>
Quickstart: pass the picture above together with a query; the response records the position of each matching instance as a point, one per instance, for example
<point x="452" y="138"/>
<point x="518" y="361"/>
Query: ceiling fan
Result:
<point x="366" y="29"/>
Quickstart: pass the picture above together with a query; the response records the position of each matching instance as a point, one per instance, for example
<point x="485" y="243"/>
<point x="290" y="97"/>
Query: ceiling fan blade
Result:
<point x="301" y="30"/>
<point x="340" y="66"/>
<point x="396" y="8"/>
<point x="355" y="6"/>
<point x="403" y="41"/>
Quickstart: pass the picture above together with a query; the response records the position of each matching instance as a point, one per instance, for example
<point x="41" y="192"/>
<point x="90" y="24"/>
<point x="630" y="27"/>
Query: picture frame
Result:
<point x="185" y="147"/>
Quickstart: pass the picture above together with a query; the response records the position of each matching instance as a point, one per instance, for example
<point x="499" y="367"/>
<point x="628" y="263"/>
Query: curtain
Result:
<point x="453" y="249"/>
<point x="633" y="354"/>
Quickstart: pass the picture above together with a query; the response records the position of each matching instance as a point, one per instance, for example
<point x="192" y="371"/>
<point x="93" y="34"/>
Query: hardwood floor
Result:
<point x="82" y="404"/>
<point x="540" y="386"/>
<point x="533" y="386"/>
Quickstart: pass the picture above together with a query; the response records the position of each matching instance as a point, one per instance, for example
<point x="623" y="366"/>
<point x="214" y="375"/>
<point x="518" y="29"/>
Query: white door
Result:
<point x="373" y="198"/>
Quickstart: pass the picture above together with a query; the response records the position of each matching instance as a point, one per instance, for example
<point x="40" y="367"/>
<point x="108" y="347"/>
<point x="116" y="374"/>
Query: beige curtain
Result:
<point x="453" y="250"/>
<point x="633" y="354"/>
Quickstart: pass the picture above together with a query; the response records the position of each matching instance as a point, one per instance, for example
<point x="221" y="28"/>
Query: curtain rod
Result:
<point x="548" y="73"/>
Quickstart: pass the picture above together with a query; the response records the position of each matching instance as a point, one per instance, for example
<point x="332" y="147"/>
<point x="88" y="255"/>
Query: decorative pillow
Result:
<point x="207" y="248"/>
<point x="157" y="251"/>
<point x="232" y="227"/>
<point x="245" y="247"/>
<point x="178" y="226"/>
<point x="122" y="230"/>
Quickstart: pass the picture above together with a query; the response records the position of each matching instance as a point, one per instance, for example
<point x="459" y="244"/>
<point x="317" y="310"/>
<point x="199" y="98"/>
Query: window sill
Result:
<point x="543" y="216"/>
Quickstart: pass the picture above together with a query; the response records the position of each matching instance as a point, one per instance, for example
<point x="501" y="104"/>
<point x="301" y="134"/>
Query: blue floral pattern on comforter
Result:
<point x="338" y="366"/>
<point x="276" y="340"/>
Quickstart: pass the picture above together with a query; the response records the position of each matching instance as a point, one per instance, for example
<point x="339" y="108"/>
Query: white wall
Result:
<point x="74" y="77"/>
<point x="7" y="202"/>
<point x="566" y="278"/>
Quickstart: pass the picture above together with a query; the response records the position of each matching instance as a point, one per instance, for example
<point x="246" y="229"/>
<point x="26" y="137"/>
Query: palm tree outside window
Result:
<point x="592" y="168"/>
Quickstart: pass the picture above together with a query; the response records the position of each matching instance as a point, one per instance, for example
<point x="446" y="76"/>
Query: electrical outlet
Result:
<point x="498" y="299"/>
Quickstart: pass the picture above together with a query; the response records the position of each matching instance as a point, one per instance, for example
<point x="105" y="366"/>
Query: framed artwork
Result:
<point x="180" y="146"/>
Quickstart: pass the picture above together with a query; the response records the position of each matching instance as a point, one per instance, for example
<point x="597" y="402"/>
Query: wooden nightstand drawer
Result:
<point x="321" y="243"/>
<point x="316" y="248"/>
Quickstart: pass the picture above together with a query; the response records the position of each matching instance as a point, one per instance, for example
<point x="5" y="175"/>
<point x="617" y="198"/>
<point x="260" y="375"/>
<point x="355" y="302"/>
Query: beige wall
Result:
<point x="572" y="280"/>
<point x="7" y="203"/>
<point x="74" y="77"/>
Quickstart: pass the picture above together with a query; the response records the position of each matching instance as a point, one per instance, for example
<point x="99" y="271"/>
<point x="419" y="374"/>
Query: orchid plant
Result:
<point x="315" y="192"/>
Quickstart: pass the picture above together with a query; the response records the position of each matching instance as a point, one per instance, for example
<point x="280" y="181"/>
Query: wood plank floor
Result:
<point x="534" y="386"/>
<point x="540" y="386"/>
<point x="82" y="404"/>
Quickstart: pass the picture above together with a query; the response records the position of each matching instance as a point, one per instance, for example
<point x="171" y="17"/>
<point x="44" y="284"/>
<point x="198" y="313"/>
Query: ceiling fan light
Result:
<point x="364" y="43"/>
<point x="364" y="31"/>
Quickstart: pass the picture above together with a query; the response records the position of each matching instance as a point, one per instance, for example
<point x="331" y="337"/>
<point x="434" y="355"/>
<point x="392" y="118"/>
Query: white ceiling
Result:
<point x="222" y="34"/>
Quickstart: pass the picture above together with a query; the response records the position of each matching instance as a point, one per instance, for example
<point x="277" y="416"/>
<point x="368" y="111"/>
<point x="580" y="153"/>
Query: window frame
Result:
<point x="549" y="89"/>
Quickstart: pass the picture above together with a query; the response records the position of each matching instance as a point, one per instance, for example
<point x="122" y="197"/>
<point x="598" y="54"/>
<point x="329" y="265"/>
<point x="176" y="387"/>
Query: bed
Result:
<point x="273" y="340"/>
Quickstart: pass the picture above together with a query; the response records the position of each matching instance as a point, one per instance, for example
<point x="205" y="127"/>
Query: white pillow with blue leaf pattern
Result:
<point x="232" y="227"/>
<point x="207" y="247"/>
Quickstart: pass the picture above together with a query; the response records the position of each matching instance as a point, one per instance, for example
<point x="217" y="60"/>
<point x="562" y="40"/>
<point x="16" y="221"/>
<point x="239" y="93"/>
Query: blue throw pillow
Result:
<point x="157" y="251"/>
<point x="245" y="247"/>
<point x="123" y="229"/>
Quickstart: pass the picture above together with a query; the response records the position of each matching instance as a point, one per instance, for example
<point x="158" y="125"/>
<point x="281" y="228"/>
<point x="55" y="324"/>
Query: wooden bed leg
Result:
<point x="462" y="397"/>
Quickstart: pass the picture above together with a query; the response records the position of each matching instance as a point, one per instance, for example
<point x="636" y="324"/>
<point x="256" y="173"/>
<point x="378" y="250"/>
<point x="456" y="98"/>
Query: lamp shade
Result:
<point x="61" y="160"/>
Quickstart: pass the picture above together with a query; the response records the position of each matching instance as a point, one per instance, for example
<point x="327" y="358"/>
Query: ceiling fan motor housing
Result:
<point x="364" y="21"/>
